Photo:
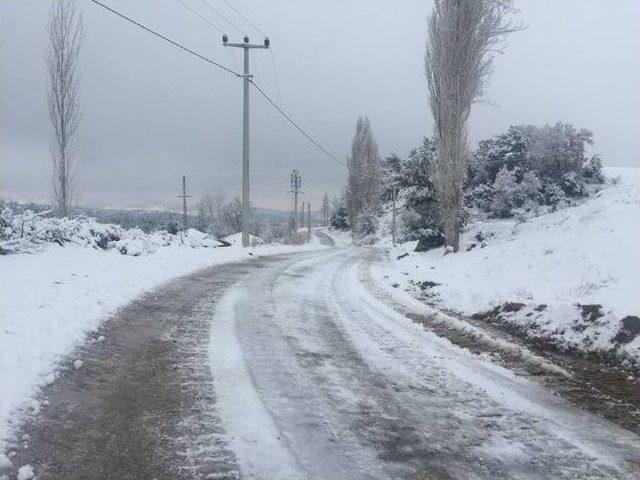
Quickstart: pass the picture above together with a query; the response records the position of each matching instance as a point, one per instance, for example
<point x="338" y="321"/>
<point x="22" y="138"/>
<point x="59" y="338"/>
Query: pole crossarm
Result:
<point x="245" y="45"/>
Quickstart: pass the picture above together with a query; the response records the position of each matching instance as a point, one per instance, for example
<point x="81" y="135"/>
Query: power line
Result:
<point x="236" y="74"/>
<point x="296" y="126"/>
<point x="259" y="30"/>
<point x="202" y="17"/>
<point x="244" y="18"/>
<point x="304" y="133"/>
<point x="217" y="12"/>
<point x="234" y="59"/>
<point x="166" y="39"/>
<point x="275" y="75"/>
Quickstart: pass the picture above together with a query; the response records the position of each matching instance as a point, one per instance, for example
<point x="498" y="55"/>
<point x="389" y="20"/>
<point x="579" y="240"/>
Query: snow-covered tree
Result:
<point x="422" y="216"/>
<point x="339" y="219"/>
<point x="462" y="37"/>
<point x="549" y="151"/>
<point x="592" y="170"/>
<point x="219" y="216"/>
<point x="366" y="226"/>
<point x="544" y="165"/>
<point x="363" y="184"/>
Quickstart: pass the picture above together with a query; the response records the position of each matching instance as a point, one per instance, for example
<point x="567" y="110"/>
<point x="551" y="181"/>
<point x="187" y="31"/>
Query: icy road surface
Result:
<point x="317" y="379"/>
<point x="289" y="368"/>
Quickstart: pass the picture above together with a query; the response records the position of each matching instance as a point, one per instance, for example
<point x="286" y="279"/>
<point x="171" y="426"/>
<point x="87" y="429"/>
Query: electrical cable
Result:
<point x="257" y="87"/>
<point x="202" y="17"/>
<point x="244" y="18"/>
<point x="165" y="38"/>
<point x="217" y="12"/>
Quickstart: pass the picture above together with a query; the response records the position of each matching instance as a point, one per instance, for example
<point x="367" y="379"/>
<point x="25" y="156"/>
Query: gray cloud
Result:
<point x="151" y="113"/>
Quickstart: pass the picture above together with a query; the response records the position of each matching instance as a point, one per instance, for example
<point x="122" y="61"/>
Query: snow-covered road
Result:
<point x="289" y="368"/>
<point x="318" y="379"/>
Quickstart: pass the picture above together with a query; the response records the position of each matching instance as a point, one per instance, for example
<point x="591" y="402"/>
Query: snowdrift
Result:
<point x="61" y="278"/>
<point x="29" y="232"/>
<point x="570" y="276"/>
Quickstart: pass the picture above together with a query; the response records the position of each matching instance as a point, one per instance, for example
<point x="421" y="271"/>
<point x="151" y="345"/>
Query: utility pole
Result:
<point x="296" y="183"/>
<point x="184" y="196"/>
<point x="308" y="222"/>
<point x="246" y="46"/>
<point x="302" y="214"/>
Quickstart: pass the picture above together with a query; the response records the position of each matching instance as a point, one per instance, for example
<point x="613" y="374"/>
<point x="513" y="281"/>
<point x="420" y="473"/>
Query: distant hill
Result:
<point x="150" y="219"/>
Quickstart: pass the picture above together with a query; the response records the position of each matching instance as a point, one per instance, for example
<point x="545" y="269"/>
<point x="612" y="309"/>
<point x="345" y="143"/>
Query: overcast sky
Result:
<point x="152" y="113"/>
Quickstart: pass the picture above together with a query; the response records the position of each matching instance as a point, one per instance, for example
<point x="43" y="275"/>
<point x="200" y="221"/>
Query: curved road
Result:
<point x="290" y="368"/>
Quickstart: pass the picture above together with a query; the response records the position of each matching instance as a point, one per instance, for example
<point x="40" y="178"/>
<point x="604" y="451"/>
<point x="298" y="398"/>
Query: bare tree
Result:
<point x="211" y="212"/>
<point x="232" y="215"/>
<point x="364" y="165"/>
<point x="65" y="40"/>
<point x="462" y="37"/>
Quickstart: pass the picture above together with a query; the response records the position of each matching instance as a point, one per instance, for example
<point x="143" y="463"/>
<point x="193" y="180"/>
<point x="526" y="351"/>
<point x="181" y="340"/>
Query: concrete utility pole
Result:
<point x="308" y="222"/>
<point x="246" y="46"/>
<point x="302" y="214"/>
<point x="184" y="196"/>
<point x="296" y="183"/>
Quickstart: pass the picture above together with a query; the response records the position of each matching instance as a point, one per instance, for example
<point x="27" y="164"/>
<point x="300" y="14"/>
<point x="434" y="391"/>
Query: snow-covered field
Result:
<point x="51" y="299"/>
<point x="586" y="254"/>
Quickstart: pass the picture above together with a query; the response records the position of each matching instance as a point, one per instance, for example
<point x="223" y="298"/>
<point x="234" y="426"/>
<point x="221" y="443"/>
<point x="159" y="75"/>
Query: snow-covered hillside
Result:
<point x="52" y="298"/>
<point x="584" y="255"/>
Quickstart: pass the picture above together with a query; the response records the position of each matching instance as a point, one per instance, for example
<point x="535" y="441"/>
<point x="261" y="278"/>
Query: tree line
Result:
<point x="440" y="183"/>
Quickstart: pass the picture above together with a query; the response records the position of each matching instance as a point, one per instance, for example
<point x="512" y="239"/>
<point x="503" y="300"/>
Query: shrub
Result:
<point x="339" y="218"/>
<point x="172" y="228"/>
<point x="366" y="225"/>
<point x="592" y="170"/>
<point x="530" y="166"/>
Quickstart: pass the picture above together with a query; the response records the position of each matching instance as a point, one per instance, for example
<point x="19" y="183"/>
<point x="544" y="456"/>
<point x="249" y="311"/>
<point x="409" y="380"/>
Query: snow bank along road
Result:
<point x="289" y="368"/>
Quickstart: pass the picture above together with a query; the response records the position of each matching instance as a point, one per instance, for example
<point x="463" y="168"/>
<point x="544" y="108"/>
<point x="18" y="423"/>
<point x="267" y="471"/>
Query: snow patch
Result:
<point x="552" y="264"/>
<point x="52" y="298"/>
<point x="25" y="473"/>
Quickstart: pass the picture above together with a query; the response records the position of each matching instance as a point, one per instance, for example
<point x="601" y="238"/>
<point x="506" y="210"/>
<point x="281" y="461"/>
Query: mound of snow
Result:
<point x="587" y="254"/>
<point x="52" y="298"/>
<point x="25" y="473"/>
<point x="29" y="232"/>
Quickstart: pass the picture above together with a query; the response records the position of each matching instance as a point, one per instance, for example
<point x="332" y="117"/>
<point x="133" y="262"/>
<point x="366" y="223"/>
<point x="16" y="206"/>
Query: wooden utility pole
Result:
<point x="308" y="222"/>
<point x="184" y="196"/>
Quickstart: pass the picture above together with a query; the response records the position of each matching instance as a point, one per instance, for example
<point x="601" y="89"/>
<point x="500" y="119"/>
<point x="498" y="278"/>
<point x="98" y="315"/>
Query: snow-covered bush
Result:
<point x="275" y="233"/>
<point x="505" y="193"/>
<point x="592" y="170"/>
<point x="553" y="195"/>
<point x="28" y="232"/>
<point x="511" y="192"/>
<point x="339" y="219"/>
<point x="530" y="166"/>
<point x="172" y="227"/>
<point x="573" y="185"/>
<point x="411" y="178"/>
<point x="366" y="226"/>
<point x="221" y="217"/>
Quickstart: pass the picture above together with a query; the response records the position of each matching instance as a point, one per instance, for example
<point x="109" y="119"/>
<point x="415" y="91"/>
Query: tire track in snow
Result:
<point x="354" y="390"/>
